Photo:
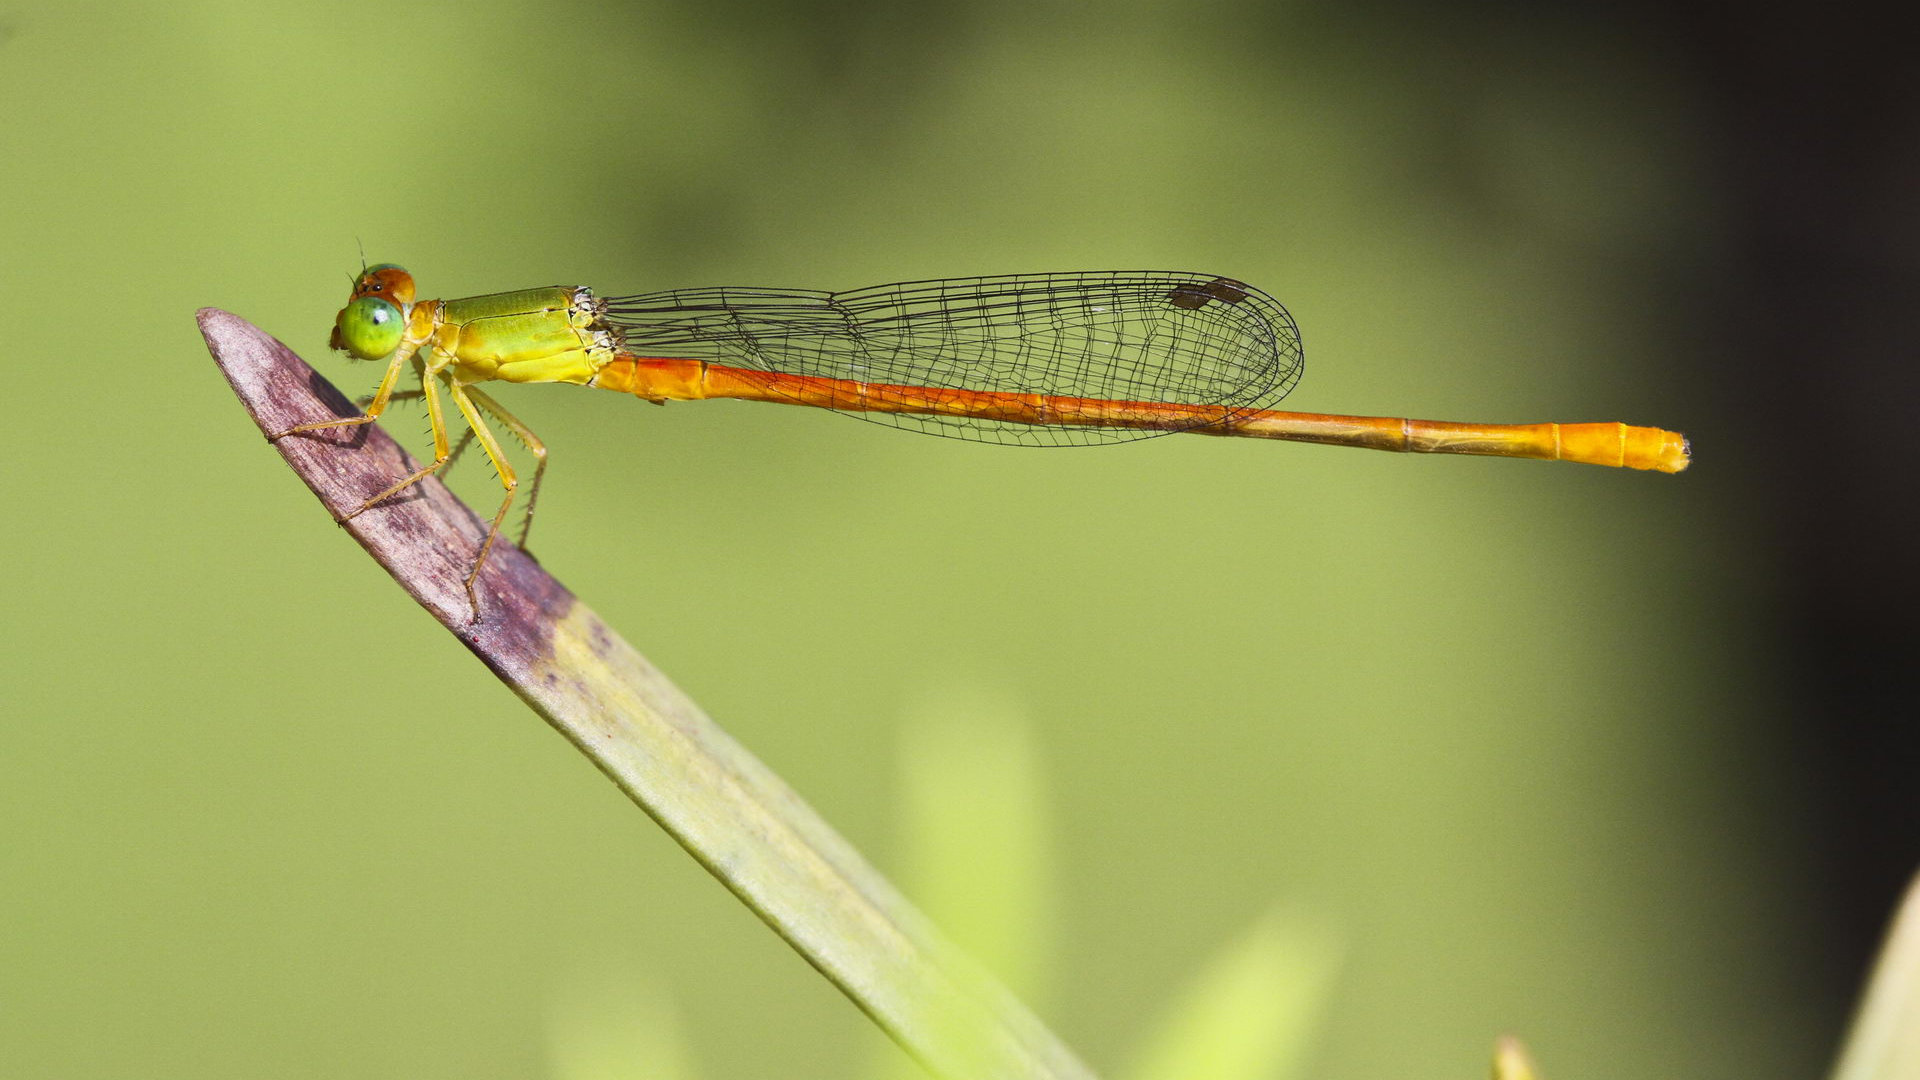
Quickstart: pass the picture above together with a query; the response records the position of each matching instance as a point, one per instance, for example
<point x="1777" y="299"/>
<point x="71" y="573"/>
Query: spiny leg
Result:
<point x="466" y="437"/>
<point x="527" y="439"/>
<point x="463" y="397"/>
<point x="374" y="408"/>
<point x="440" y="451"/>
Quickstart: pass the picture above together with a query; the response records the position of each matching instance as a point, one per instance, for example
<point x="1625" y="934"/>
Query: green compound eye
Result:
<point x="370" y="328"/>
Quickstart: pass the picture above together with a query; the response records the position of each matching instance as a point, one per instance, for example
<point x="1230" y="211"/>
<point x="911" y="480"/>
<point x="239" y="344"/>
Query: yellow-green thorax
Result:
<point x="534" y="335"/>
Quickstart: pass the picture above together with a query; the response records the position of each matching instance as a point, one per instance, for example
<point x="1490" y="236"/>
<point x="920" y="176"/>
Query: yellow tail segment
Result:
<point x="1613" y="444"/>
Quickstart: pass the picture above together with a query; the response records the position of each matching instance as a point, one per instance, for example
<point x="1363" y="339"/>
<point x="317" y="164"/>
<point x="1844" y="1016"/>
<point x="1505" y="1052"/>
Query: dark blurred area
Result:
<point x="1816" y="119"/>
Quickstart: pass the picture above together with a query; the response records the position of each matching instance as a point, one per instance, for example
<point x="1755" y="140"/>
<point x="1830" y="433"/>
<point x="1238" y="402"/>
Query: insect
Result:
<point x="1037" y="359"/>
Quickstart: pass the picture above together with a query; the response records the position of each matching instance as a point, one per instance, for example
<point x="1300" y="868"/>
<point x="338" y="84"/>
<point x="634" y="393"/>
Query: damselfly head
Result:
<point x="375" y="318"/>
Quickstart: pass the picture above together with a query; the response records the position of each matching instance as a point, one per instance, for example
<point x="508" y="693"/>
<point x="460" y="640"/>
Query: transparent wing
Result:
<point x="1176" y="338"/>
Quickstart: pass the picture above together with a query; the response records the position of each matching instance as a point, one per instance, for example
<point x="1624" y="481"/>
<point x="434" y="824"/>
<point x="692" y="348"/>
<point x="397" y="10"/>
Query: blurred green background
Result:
<point x="1495" y="723"/>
